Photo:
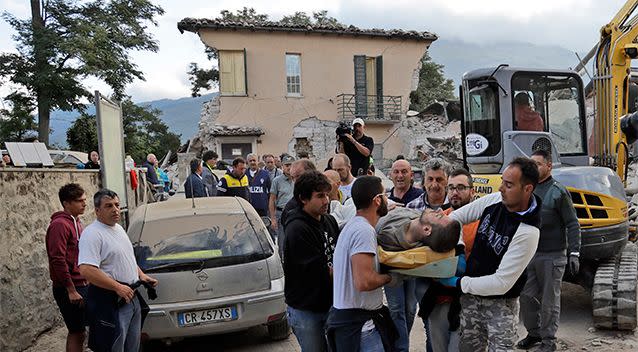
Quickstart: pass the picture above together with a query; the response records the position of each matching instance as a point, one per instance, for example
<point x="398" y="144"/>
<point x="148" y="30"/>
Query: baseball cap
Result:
<point x="287" y="159"/>
<point x="358" y="120"/>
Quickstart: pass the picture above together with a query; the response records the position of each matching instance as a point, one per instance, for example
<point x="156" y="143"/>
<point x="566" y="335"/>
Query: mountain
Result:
<point x="182" y="115"/>
<point x="459" y="56"/>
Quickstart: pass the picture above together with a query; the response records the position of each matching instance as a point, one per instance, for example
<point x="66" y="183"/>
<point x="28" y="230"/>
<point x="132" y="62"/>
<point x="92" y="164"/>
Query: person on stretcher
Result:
<point x="409" y="238"/>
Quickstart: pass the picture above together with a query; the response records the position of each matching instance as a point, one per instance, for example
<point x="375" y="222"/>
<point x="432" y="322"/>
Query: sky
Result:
<point x="572" y="24"/>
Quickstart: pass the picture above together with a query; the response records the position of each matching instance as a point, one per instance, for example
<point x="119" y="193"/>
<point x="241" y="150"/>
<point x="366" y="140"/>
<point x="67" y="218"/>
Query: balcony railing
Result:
<point x="371" y="108"/>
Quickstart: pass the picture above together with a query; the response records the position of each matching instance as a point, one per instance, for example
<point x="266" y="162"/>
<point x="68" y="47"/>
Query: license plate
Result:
<point x="207" y="316"/>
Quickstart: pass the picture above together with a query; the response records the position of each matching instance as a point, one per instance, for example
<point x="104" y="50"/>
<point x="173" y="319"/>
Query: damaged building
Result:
<point x="286" y="88"/>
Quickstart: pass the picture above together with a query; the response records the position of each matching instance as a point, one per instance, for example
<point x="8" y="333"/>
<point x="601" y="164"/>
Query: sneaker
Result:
<point x="528" y="342"/>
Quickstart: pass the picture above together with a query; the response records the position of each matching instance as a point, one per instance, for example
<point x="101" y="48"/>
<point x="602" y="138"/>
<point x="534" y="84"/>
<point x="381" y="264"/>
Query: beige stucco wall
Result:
<point x="28" y="197"/>
<point x="327" y="70"/>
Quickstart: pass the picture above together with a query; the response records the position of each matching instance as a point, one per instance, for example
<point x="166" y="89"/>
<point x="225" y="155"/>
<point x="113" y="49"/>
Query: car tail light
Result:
<point x="275" y="317"/>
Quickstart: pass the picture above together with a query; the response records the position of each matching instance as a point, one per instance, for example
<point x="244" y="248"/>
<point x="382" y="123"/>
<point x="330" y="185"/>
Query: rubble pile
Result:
<point x="429" y="136"/>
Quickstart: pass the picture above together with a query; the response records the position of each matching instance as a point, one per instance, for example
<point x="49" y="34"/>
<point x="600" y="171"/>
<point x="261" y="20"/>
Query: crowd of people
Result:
<point x="506" y="253"/>
<point x="511" y="250"/>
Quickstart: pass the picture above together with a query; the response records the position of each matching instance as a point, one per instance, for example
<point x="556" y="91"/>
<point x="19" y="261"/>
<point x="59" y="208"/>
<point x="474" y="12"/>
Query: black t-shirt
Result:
<point x="358" y="160"/>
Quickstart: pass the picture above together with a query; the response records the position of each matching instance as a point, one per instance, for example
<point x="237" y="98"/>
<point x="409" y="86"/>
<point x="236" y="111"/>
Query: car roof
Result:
<point x="175" y="208"/>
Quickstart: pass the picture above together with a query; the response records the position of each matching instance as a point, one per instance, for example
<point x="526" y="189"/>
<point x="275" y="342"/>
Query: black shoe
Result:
<point x="528" y="342"/>
<point x="546" y="347"/>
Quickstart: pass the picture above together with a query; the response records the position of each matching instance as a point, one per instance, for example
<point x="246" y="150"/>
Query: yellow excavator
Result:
<point x="593" y="166"/>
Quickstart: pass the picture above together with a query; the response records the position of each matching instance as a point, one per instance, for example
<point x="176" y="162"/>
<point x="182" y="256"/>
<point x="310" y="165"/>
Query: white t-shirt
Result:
<point x="347" y="189"/>
<point x="109" y="249"/>
<point x="358" y="236"/>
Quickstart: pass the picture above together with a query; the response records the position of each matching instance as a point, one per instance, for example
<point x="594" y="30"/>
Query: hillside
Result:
<point x="182" y="115"/>
<point x="460" y="57"/>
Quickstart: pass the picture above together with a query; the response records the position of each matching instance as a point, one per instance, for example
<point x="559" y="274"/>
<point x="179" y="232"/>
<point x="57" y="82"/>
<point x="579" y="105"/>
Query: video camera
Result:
<point x="342" y="130"/>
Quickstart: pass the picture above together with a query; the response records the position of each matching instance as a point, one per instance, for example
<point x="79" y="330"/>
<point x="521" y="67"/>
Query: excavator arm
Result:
<point x="615" y="51"/>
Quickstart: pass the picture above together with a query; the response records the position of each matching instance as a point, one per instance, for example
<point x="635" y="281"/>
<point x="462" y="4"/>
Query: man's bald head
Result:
<point x="332" y="175"/>
<point x="401" y="175"/>
<point x="335" y="180"/>
<point x="299" y="167"/>
<point x="341" y="164"/>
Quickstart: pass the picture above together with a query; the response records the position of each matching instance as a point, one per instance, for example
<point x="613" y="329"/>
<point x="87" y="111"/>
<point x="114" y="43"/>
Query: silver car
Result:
<point x="216" y="264"/>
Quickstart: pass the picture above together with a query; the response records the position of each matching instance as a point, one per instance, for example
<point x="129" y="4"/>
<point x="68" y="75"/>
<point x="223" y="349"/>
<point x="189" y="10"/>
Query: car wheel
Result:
<point x="279" y="330"/>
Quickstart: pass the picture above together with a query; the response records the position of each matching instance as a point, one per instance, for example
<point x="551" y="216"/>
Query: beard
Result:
<point x="382" y="210"/>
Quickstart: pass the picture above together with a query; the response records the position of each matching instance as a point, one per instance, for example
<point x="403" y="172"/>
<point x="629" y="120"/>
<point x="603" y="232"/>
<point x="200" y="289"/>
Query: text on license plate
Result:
<point x="207" y="316"/>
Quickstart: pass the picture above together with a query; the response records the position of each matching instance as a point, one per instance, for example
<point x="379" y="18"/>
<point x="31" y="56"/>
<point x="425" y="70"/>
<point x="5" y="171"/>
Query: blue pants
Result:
<point x="308" y="327"/>
<point x="402" y="303"/>
<point x="371" y="341"/>
<point x="130" y="319"/>
<point x="422" y="285"/>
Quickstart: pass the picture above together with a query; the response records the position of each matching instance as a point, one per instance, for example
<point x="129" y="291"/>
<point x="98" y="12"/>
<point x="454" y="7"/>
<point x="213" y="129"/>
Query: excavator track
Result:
<point x="614" y="291"/>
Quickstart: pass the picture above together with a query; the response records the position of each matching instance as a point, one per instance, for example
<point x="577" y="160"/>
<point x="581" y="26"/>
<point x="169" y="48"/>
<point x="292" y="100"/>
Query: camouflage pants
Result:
<point x="488" y="324"/>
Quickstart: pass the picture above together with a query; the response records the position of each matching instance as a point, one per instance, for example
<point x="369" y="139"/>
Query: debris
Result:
<point x="596" y="343"/>
<point x="592" y="330"/>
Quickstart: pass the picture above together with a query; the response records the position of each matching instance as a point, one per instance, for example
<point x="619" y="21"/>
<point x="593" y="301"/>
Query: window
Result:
<point x="293" y="74"/>
<point x="555" y="98"/>
<point x="232" y="72"/>
<point x="204" y="242"/>
<point x="368" y="87"/>
<point x="482" y="123"/>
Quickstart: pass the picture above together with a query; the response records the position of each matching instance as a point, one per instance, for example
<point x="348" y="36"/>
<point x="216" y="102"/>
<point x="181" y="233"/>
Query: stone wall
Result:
<point x="28" y="197"/>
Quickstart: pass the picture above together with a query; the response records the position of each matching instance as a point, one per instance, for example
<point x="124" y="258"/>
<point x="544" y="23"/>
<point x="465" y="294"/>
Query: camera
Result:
<point x="343" y="129"/>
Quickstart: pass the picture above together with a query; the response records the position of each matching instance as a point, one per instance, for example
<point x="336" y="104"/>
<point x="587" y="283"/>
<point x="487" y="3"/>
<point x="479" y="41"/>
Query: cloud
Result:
<point x="572" y="24"/>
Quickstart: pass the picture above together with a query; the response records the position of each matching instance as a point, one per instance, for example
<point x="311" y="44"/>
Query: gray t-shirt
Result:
<point x="357" y="236"/>
<point x="109" y="249"/>
<point x="282" y="188"/>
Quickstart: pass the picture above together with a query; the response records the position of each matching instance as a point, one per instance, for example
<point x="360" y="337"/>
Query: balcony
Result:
<point x="371" y="108"/>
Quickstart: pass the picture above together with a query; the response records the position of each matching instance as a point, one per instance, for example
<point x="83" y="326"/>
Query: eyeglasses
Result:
<point x="460" y="188"/>
<point x="380" y="194"/>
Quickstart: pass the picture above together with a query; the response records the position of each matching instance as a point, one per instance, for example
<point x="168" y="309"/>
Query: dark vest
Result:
<point x="496" y="230"/>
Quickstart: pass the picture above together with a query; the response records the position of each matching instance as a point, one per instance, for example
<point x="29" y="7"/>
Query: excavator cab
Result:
<point x="512" y="112"/>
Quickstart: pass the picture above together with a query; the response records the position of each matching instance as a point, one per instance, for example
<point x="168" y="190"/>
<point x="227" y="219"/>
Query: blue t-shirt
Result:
<point x="358" y="236"/>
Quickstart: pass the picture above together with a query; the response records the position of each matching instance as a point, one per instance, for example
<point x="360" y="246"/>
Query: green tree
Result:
<point x="205" y="79"/>
<point x="17" y="122"/>
<point x="66" y="41"/>
<point x="144" y="132"/>
<point x="432" y="85"/>
<point x="246" y="14"/>
<point x="82" y="135"/>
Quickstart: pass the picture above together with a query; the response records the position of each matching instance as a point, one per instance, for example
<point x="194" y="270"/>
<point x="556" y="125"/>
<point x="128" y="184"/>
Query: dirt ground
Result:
<point x="576" y="333"/>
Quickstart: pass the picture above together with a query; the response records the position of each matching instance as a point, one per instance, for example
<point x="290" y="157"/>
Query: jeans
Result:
<point x="130" y="320"/>
<point x="371" y="341"/>
<point x="280" y="234"/>
<point x="442" y="339"/>
<point x="402" y="304"/>
<point x="422" y="285"/>
<point x="308" y="327"/>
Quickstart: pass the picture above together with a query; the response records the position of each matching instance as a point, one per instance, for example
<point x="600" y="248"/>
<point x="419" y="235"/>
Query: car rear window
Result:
<point x="199" y="242"/>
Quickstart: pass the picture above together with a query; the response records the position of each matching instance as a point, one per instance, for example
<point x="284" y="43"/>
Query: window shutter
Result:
<point x="379" y="62"/>
<point x="360" y="101"/>
<point x="226" y="77"/>
<point x="239" y="66"/>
